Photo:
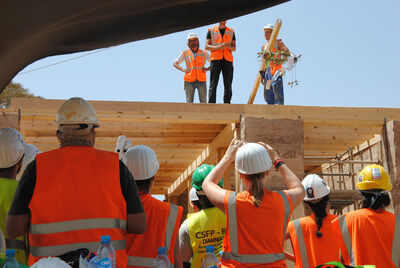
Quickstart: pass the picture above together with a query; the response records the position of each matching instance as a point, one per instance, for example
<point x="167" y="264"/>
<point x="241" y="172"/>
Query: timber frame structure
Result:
<point x="184" y="136"/>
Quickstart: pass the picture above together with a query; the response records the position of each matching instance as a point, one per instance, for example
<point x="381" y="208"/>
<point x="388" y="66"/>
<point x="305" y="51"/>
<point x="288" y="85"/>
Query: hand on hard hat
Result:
<point x="271" y="151"/>
<point x="232" y="149"/>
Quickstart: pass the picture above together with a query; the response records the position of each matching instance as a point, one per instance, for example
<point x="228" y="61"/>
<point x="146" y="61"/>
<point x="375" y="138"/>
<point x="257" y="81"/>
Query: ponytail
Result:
<point x="257" y="188"/>
<point x="319" y="209"/>
<point x="377" y="200"/>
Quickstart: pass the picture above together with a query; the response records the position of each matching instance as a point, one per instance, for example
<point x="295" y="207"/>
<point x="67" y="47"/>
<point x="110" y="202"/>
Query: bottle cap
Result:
<point x="10" y="252"/>
<point x="105" y="239"/>
<point x="162" y="250"/>
<point x="210" y="249"/>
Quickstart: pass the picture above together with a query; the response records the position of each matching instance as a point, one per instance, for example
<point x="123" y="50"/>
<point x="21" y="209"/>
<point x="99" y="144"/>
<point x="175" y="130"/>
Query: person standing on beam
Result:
<point x="221" y="41"/>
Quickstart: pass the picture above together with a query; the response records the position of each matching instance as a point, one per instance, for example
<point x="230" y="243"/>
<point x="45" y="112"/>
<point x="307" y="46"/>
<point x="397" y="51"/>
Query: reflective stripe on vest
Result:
<point x="140" y="261"/>
<point x="216" y="32"/>
<point x="15" y="244"/>
<point x="346" y="237"/>
<point x="302" y="244"/>
<point x="396" y="243"/>
<point x="233" y="236"/>
<point x="149" y="262"/>
<point x="61" y="249"/>
<point x="67" y="226"/>
<point x="173" y="215"/>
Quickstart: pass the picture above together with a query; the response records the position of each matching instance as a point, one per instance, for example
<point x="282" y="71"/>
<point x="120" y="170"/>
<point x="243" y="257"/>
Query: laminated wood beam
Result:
<point x="221" y="141"/>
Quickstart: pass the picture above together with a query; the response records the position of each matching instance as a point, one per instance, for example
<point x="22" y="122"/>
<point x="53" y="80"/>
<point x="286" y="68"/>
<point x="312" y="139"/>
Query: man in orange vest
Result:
<point x="163" y="219"/>
<point x="274" y="96"/>
<point x="195" y="71"/>
<point x="370" y="235"/>
<point x="69" y="197"/>
<point x="221" y="41"/>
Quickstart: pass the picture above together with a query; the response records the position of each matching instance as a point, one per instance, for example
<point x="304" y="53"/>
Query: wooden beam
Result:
<point x="271" y="43"/>
<point x="222" y="140"/>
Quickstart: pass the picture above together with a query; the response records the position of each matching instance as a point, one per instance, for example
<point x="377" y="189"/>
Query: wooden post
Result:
<point x="271" y="42"/>
<point x="391" y="139"/>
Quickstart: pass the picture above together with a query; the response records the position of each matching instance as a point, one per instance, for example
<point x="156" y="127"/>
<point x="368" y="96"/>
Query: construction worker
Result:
<point x="194" y="200"/>
<point x="257" y="217"/>
<point x="370" y="235"/>
<point x="30" y="153"/>
<point x="69" y="197"/>
<point x="11" y="158"/>
<point x="195" y="71"/>
<point x="163" y="219"/>
<point x="221" y="41"/>
<point x="274" y="96"/>
<point x="203" y="228"/>
<point x="313" y="238"/>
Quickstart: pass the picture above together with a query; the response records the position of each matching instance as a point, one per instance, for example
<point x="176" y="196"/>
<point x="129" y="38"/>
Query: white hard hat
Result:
<point x="30" y="153"/>
<point x="252" y="158"/>
<point x="76" y="111"/>
<point x="315" y="187"/>
<point x="268" y="26"/>
<point x="142" y="162"/>
<point x="192" y="36"/>
<point x="123" y="144"/>
<point x="193" y="195"/>
<point x="11" y="147"/>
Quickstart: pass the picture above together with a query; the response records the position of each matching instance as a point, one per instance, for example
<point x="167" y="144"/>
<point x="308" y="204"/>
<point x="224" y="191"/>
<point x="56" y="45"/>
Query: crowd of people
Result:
<point x="69" y="197"/>
<point x="221" y="42"/>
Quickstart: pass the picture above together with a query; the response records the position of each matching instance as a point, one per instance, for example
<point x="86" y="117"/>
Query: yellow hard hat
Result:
<point x="374" y="177"/>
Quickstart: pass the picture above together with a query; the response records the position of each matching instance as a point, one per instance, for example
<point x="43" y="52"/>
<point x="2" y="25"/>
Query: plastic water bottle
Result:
<point x="10" y="261"/>
<point x="210" y="260"/>
<point x="161" y="260"/>
<point x="106" y="253"/>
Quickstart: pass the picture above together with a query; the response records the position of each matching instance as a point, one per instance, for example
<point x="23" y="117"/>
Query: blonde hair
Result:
<point x="257" y="187"/>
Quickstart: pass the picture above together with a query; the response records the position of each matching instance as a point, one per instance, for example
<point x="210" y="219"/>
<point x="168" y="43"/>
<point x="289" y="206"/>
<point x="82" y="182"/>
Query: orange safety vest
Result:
<point x="216" y="38"/>
<point x="163" y="221"/>
<point x="195" y="65"/>
<point x="274" y="67"/>
<point x="77" y="199"/>
<point x="255" y="236"/>
<point x="309" y="250"/>
<point x="367" y="237"/>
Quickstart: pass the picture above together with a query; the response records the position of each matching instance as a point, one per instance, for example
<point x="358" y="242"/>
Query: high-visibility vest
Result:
<point x="274" y="67"/>
<point x="163" y="221"/>
<point x="255" y="236"/>
<point x="310" y="250"/>
<point x="7" y="192"/>
<point x="206" y="227"/>
<point x="367" y="237"/>
<point x="77" y="199"/>
<point x="195" y="65"/>
<point x="216" y="39"/>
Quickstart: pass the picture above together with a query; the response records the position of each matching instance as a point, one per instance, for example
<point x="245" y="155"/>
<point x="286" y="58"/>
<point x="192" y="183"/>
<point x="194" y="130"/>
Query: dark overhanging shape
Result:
<point x="32" y="30"/>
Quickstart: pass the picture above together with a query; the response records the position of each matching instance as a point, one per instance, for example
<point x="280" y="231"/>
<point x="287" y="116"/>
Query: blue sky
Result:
<point x="350" y="57"/>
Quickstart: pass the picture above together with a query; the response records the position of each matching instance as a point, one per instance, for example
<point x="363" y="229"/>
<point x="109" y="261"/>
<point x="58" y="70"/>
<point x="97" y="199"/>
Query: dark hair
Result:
<point x="198" y="204"/>
<point x="204" y="202"/>
<point x="257" y="188"/>
<point x="144" y="185"/>
<point x="319" y="209"/>
<point x="377" y="199"/>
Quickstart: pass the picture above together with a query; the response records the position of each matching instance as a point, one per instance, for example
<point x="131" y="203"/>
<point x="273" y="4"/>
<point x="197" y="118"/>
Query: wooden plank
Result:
<point x="113" y="141"/>
<point x="132" y="126"/>
<point x="271" y="42"/>
<point x="221" y="141"/>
